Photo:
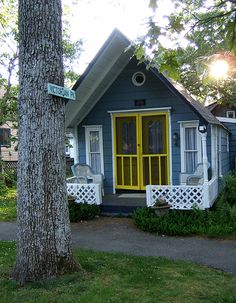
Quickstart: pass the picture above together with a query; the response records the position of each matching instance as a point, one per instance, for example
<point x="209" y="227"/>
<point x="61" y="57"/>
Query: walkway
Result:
<point x="120" y="235"/>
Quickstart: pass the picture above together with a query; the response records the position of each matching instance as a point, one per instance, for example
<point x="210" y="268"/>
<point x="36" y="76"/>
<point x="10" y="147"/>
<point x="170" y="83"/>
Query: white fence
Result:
<point x="85" y="193"/>
<point x="184" y="196"/>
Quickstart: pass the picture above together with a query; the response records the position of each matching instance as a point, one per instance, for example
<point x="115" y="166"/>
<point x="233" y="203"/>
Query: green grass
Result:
<point x="122" y="278"/>
<point x="8" y="206"/>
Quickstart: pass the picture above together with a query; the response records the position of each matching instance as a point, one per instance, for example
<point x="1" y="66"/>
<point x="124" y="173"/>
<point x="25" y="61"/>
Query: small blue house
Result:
<point x="144" y="132"/>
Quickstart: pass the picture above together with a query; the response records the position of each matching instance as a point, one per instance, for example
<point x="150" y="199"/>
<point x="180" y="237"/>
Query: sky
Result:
<point x="94" y="20"/>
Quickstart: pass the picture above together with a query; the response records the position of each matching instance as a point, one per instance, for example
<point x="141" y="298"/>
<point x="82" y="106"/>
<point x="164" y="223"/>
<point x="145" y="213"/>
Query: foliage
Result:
<point x="3" y="187"/>
<point x="110" y="277"/>
<point x="82" y="211"/>
<point x="9" y="58"/>
<point x="7" y="178"/>
<point x="8" y="205"/>
<point x="219" y="222"/>
<point x="193" y="35"/>
<point x="228" y="195"/>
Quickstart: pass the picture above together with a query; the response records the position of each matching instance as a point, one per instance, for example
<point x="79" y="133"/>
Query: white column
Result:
<point x="214" y="150"/>
<point x="75" y="145"/>
<point x="204" y="157"/>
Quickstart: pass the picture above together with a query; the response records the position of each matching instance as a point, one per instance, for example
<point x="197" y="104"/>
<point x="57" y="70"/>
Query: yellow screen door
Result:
<point x="154" y="149"/>
<point x="141" y="150"/>
<point x="126" y="152"/>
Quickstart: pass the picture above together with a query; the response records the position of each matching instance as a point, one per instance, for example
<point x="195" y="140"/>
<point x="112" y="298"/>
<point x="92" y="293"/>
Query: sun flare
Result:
<point x="219" y="69"/>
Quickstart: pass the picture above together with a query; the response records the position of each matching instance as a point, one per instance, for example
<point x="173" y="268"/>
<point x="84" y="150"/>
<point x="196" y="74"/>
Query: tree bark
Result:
<point x="44" y="239"/>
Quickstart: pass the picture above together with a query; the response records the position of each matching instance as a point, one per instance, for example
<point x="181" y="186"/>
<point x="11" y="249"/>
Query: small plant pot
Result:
<point x="162" y="210"/>
<point x="71" y="199"/>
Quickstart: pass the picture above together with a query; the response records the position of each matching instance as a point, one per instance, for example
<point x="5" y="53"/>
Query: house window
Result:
<point x="190" y="147"/>
<point x="138" y="79"/>
<point x="69" y="145"/>
<point x="5" y="136"/>
<point x="230" y="114"/>
<point x="94" y="148"/>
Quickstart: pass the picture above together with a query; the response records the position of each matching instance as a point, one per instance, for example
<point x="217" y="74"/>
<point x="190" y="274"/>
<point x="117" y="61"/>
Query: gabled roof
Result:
<point x="113" y="56"/>
<point x="212" y="106"/>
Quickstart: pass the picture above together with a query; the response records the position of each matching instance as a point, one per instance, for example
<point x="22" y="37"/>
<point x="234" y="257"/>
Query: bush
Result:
<point x="82" y="211"/>
<point x="3" y="187"/>
<point x="183" y="223"/>
<point x="10" y="177"/>
<point x="228" y="194"/>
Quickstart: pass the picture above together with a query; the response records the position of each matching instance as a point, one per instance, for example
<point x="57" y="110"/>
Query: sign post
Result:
<point x="61" y="91"/>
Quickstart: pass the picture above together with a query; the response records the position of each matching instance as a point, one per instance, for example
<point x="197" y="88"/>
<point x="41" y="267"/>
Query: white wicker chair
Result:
<point x="195" y="178"/>
<point x="84" y="174"/>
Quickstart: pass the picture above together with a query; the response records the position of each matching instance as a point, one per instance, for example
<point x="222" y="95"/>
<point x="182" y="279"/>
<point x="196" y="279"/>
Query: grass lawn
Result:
<point x="8" y="206"/>
<point x="120" y="278"/>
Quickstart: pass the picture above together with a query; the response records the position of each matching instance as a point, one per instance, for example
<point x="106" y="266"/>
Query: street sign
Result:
<point x="61" y="91"/>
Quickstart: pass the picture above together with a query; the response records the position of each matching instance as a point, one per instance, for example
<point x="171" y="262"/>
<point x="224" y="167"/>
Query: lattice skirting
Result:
<point x="179" y="197"/>
<point x="85" y="193"/>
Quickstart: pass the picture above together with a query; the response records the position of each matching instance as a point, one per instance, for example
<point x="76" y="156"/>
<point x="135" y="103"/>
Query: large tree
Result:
<point x="44" y="238"/>
<point x="208" y="30"/>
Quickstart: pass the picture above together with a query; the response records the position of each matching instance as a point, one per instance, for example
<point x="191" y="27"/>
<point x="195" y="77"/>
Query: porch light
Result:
<point x="176" y="139"/>
<point x="202" y="129"/>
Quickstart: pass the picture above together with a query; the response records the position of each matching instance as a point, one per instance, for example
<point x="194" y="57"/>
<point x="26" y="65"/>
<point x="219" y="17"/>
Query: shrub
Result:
<point x="3" y="187"/>
<point x="10" y="177"/>
<point x="228" y="194"/>
<point x="82" y="211"/>
<point x="183" y="223"/>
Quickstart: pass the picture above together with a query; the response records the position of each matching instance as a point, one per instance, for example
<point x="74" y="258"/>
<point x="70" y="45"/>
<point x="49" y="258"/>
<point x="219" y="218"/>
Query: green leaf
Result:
<point x="153" y="4"/>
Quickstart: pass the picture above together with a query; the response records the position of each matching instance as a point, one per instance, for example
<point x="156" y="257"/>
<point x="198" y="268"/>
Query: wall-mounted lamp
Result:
<point x="176" y="139"/>
<point x="202" y="129"/>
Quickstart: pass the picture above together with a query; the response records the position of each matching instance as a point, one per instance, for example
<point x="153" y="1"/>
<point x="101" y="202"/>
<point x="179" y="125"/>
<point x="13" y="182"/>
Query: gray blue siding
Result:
<point x="225" y="164"/>
<point x="120" y="96"/>
<point x="232" y="143"/>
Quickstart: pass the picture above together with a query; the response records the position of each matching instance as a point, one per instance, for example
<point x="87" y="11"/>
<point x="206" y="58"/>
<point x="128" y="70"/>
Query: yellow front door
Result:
<point x="141" y="150"/>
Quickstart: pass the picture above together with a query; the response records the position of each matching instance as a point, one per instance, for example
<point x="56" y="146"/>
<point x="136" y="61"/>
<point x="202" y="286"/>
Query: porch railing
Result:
<point x="85" y="193"/>
<point x="183" y="196"/>
<point x="211" y="192"/>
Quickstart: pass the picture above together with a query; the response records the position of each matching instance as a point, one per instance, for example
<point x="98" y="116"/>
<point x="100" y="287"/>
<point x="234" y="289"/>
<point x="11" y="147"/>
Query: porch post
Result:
<point x="205" y="172"/>
<point x="204" y="157"/>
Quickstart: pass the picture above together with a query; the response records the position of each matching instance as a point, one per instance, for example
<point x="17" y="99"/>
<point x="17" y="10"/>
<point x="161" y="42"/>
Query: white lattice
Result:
<point x="178" y="196"/>
<point x="85" y="193"/>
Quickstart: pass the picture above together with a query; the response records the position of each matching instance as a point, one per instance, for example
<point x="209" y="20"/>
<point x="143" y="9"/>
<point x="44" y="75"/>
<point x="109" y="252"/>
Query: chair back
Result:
<point x="199" y="169"/>
<point x="81" y="170"/>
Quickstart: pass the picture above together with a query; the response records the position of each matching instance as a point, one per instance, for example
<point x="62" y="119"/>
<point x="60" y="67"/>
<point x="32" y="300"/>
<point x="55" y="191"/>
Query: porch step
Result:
<point x="117" y="210"/>
<point x="121" y="204"/>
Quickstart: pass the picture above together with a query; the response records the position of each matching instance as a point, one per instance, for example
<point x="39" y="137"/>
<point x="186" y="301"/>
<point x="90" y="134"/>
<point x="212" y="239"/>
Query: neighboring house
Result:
<point x="7" y="147"/>
<point x="141" y="130"/>
<point x="226" y="114"/>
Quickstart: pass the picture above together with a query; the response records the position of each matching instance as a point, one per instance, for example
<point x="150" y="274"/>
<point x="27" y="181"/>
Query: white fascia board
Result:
<point x="227" y="120"/>
<point x="90" y="84"/>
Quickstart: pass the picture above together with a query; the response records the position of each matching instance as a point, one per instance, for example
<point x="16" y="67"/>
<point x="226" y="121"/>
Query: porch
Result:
<point x="182" y="197"/>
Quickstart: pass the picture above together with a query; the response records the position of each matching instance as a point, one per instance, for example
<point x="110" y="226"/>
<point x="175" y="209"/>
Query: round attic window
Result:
<point x="138" y="78"/>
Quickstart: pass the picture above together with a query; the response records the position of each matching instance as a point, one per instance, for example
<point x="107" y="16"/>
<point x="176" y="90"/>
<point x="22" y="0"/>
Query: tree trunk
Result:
<point x="44" y="237"/>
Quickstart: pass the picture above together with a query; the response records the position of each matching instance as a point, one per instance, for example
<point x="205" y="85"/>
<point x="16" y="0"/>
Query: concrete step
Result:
<point x="117" y="210"/>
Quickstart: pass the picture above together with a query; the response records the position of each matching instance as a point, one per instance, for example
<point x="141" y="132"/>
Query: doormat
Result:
<point x="133" y="195"/>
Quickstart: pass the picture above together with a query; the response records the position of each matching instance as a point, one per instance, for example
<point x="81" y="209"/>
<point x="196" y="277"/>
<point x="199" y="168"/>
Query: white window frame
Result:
<point x="229" y="112"/>
<point x="88" y="129"/>
<point x="183" y="125"/>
